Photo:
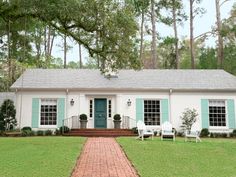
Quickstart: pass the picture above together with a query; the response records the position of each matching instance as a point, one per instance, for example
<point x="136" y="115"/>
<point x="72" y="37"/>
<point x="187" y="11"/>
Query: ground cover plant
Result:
<point x="39" y="156"/>
<point x="211" y="158"/>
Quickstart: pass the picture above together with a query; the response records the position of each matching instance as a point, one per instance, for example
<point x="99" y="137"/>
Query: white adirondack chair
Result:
<point x="192" y="134"/>
<point x="143" y="131"/>
<point x="167" y="131"/>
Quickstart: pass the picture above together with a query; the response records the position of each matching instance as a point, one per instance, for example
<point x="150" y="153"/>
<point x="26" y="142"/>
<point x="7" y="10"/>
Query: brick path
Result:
<point x="103" y="157"/>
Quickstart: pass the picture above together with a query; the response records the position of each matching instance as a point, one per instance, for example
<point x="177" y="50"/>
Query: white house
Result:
<point x="48" y="98"/>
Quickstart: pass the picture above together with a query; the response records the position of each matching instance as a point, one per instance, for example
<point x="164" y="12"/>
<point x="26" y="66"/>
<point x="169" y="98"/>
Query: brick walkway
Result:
<point x="103" y="157"/>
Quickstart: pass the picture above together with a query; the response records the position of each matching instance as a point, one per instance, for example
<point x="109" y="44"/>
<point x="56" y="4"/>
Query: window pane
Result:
<point x="48" y="112"/>
<point x="217" y="113"/>
<point x="152" y="112"/>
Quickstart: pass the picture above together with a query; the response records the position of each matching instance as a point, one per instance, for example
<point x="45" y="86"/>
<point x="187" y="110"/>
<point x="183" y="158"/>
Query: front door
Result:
<point x="100" y="112"/>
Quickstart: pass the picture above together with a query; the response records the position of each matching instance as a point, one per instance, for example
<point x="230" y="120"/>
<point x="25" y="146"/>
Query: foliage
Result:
<point x="48" y="132"/>
<point x="218" y="135"/>
<point x="27" y="132"/>
<point x="117" y="117"/>
<point x="204" y="132"/>
<point x="83" y="117"/>
<point x="233" y="134"/>
<point x="55" y="155"/>
<point x="26" y="128"/>
<point x="40" y="133"/>
<point x="181" y="159"/>
<point x="189" y="117"/>
<point x="64" y="128"/>
<point x="7" y="115"/>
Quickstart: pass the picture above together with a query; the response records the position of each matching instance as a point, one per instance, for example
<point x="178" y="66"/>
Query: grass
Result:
<point x="39" y="156"/>
<point x="156" y="158"/>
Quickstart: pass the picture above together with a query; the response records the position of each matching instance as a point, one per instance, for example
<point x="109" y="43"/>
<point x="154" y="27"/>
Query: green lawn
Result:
<point x="211" y="158"/>
<point x="39" y="156"/>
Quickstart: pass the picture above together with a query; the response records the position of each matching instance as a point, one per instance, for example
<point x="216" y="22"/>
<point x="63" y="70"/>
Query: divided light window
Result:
<point x="109" y="108"/>
<point x="48" y="114"/>
<point x="217" y="113"/>
<point x="90" y="108"/>
<point x="152" y="112"/>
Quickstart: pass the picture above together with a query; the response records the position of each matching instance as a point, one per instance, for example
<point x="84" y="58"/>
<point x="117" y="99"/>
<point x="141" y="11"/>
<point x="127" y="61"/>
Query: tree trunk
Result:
<point x="176" y="35"/>
<point x="141" y="35"/>
<point x="154" y="40"/>
<point x="9" y="53"/>
<point x="51" y="44"/>
<point x="191" y="35"/>
<point x="98" y="61"/>
<point x="65" y="50"/>
<point x="80" y="57"/>
<point x="220" y="49"/>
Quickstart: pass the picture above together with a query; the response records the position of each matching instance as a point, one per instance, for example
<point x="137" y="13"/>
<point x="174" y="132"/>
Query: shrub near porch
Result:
<point x="39" y="156"/>
<point x="211" y="158"/>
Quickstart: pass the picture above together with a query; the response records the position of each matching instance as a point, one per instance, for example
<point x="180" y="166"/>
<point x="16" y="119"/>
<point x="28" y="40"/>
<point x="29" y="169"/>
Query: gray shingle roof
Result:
<point x="127" y="79"/>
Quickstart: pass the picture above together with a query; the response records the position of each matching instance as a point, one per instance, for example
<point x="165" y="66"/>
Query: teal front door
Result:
<point x="100" y="112"/>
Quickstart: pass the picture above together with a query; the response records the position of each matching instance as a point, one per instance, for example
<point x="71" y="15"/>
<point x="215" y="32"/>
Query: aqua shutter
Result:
<point x="231" y="113"/>
<point x="164" y="110"/>
<point x="60" y="111"/>
<point x="139" y="109"/>
<point x="35" y="113"/>
<point x="205" y="113"/>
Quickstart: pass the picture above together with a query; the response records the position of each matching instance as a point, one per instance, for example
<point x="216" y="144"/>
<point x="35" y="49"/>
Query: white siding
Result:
<point x="178" y="102"/>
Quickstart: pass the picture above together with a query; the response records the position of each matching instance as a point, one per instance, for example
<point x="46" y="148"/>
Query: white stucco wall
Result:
<point x="178" y="101"/>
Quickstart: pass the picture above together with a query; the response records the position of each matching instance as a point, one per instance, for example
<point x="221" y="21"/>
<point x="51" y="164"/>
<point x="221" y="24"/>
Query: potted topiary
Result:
<point x="117" y="120"/>
<point x="83" y="120"/>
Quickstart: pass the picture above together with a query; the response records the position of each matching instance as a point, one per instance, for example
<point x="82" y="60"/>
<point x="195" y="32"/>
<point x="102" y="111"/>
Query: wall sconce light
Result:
<point x="129" y="102"/>
<point x="72" y="102"/>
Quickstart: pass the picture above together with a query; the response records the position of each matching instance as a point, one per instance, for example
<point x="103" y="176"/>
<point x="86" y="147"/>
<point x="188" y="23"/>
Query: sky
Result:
<point x="201" y="25"/>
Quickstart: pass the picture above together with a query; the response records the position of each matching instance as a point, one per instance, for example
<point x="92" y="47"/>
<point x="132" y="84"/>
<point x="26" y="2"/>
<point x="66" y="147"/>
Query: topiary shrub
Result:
<point x="66" y="129"/>
<point x="204" y="132"/>
<point x="117" y="117"/>
<point x="26" y="128"/>
<point x="83" y="117"/>
<point x="48" y="132"/>
<point x="40" y="133"/>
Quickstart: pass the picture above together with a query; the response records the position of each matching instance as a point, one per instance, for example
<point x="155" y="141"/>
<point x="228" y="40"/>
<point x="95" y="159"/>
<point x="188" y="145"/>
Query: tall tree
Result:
<point x="65" y="50"/>
<point x="154" y="36"/>
<point x="193" y="11"/>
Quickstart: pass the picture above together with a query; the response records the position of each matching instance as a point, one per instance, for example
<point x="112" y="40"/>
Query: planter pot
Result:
<point x="83" y="123"/>
<point x="117" y="124"/>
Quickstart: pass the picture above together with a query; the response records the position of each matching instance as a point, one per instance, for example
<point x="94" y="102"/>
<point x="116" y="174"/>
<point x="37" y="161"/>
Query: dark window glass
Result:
<point x="152" y="112"/>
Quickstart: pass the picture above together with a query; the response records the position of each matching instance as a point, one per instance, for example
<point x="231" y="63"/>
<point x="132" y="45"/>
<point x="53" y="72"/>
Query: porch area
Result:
<point x="126" y="128"/>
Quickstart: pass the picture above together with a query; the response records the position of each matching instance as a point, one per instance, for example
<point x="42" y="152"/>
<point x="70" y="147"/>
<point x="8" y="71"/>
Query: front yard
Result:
<point x="211" y="158"/>
<point x="39" y="156"/>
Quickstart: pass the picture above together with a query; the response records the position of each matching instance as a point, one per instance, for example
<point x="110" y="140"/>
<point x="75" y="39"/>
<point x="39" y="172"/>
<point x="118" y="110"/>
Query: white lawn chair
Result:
<point x="167" y="131"/>
<point x="192" y="134"/>
<point x="143" y="131"/>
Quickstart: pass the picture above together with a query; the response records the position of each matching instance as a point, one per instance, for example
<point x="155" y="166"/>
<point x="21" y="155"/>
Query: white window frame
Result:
<point x="152" y="99"/>
<point x="47" y="126"/>
<point x="226" y="115"/>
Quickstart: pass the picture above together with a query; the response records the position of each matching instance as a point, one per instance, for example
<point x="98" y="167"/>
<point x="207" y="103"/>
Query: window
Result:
<point x="109" y="108"/>
<point x="90" y="108"/>
<point x="217" y="114"/>
<point x="152" y="112"/>
<point x="48" y="112"/>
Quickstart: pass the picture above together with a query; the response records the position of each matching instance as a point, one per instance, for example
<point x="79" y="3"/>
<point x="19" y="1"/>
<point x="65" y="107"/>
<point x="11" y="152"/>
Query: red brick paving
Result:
<point x="103" y="157"/>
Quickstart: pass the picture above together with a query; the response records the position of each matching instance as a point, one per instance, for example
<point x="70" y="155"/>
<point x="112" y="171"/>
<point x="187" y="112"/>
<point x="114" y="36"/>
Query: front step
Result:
<point x="100" y="132"/>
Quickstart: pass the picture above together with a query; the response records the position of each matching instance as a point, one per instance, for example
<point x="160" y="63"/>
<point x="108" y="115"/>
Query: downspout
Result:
<point x="170" y="92"/>
<point x="67" y="92"/>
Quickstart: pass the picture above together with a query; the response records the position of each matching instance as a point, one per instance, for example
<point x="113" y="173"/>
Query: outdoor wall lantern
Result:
<point x="72" y="102"/>
<point x="129" y="102"/>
